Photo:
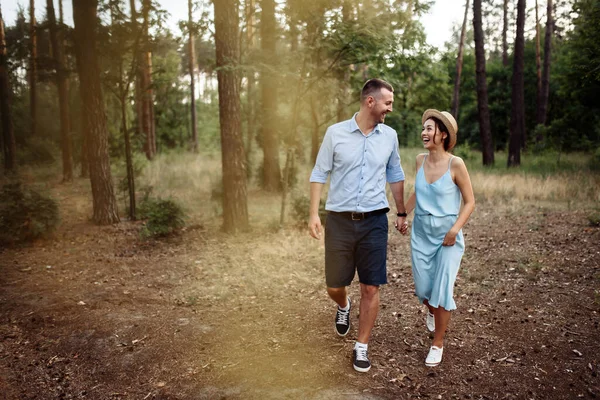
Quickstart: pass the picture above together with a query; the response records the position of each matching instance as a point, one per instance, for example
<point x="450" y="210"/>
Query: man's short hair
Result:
<point x="373" y="88"/>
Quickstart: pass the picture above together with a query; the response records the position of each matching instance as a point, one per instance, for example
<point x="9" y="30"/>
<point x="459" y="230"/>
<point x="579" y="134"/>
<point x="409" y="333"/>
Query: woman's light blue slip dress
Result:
<point x="435" y="266"/>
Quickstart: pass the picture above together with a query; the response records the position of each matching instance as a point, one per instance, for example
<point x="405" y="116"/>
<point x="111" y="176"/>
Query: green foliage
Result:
<point x="163" y="217"/>
<point x="465" y="152"/>
<point x="37" y="151"/>
<point x="594" y="218"/>
<point x="301" y="208"/>
<point x="25" y="215"/>
<point x="594" y="163"/>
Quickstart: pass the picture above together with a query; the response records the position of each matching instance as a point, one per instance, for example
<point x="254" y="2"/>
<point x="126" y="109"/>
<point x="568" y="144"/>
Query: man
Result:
<point x="360" y="154"/>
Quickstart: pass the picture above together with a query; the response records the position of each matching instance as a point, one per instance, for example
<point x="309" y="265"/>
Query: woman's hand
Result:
<point x="450" y="238"/>
<point x="402" y="225"/>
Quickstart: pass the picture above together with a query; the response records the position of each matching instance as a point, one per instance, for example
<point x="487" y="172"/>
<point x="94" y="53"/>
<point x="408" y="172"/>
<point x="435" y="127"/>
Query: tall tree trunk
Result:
<point x="538" y="60"/>
<point x="146" y="86"/>
<point x="123" y="92"/>
<point x="543" y="104"/>
<point x="459" y="64"/>
<point x="94" y="115"/>
<point x="235" y="207"/>
<point x="251" y="87"/>
<point x="485" y="130"/>
<point x="504" y="33"/>
<point x="269" y="86"/>
<point x="517" y="113"/>
<point x="315" y="139"/>
<point x="63" y="95"/>
<point x="32" y="69"/>
<point x="192" y="63"/>
<point x="83" y="157"/>
<point x="9" y="147"/>
<point x="128" y="154"/>
<point x="138" y="76"/>
<point x="342" y="71"/>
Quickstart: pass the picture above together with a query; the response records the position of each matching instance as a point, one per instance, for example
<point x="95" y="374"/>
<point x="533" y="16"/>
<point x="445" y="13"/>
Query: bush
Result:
<point x="594" y="218"/>
<point x="464" y="151"/>
<point x="37" y="152"/>
<point x="594" y="163"/>
<point x="163" y="217"/>
<point x="25" y="215"/>
<point x="300" y="209"/>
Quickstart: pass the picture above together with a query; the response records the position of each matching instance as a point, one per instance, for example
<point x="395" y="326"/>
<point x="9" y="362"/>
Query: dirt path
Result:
<point x="96" y="313"/>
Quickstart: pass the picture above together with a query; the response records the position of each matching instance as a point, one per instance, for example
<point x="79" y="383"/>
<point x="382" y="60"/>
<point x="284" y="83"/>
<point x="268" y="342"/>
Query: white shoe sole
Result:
<point x="339" y="334"/>
<point x="359" y="369"/>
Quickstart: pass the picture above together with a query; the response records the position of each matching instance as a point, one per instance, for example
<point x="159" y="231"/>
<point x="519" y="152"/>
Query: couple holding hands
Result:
<point x="360" y="155"/>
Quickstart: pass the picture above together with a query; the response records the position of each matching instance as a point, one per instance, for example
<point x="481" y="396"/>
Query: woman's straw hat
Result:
<point x="447" y="119"/>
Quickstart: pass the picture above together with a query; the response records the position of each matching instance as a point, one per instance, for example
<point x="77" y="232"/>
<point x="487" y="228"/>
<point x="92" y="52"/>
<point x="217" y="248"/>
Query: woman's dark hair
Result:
<point x="442" y="128"/>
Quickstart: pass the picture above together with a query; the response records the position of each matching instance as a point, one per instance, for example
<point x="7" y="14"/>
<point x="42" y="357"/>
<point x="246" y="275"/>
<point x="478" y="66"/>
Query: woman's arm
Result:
<point x="461" y="177"/>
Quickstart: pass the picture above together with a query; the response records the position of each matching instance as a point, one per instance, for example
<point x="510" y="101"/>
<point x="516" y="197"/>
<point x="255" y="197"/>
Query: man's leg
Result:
<point x="369" y="308"/>
<point x="339" y="295"/>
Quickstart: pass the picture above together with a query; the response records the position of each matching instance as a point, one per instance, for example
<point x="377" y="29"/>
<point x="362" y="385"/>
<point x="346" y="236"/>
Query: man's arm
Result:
<point x="397" y="189"/>
<point x="314" y="221"/>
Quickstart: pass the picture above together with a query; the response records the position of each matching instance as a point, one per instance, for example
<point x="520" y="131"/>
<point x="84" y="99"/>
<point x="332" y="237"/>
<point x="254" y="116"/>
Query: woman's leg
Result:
<point x="442" y="318"/>
<point x="426" y="302"/>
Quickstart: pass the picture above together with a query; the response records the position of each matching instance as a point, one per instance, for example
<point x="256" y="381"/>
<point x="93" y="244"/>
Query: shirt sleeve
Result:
<point x="324" y="162"/>
<point x="394" y="172"/>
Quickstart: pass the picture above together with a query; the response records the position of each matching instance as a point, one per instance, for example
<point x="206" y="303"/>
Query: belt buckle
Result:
<point x="357" y="216"/>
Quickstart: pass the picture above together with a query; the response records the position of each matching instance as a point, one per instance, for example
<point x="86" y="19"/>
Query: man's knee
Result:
<point x="369" y="291"/>
<point x="336" y="291"/>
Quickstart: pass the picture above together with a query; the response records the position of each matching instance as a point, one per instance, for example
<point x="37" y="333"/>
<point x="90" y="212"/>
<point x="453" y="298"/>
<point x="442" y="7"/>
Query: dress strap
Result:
<point x="450" y="162"/>
<point x="423" y="162"/>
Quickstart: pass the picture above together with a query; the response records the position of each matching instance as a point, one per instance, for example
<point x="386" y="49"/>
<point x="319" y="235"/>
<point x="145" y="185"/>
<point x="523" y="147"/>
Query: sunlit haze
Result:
<point x="438" y="22"/>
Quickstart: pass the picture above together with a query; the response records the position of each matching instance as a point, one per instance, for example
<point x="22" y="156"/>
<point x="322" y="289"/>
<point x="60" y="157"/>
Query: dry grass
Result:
<point x="195" y="180"/>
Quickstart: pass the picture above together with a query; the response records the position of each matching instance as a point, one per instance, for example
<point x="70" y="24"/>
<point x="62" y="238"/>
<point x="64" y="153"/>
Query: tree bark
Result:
<point x="269" y="83"/>
<point x="192" y="63"/>
<point x="94" y="115"/>
<point x="32" y="69"/>
<point x="459" y="64"/>
<point x="485" y="130"/>
<point x="517" y="114"/>
<point x="251" y="91"/>
<point x="543" y="104"/>
<point x="538" y="60"/>
<point x="504" y="33"/>
<point x="235" y="208"/>
<point x="138" y="76"/>
<point x="63" y="95"/>
<point x="9" y="147"/>
<point x="148" y="126"/>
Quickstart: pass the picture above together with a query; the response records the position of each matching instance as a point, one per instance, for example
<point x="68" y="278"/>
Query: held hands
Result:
<point x="314" y="226"/>
<point x="401" y="225"/>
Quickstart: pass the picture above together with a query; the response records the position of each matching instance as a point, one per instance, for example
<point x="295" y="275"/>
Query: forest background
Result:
<point x="130" y="145"/>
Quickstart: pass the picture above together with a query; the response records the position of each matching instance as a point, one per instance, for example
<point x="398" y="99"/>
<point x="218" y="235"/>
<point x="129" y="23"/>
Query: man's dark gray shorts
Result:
<point x="354" y="242"/>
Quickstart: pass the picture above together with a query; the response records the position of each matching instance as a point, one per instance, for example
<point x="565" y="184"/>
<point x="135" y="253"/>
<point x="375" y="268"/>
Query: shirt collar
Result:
<point x="354" y="125"/>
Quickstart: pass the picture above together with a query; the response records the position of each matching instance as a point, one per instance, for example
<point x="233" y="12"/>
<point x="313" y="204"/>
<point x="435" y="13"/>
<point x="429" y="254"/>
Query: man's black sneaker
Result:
<point x="361" y="361"/>
<point x="342" y="320"/>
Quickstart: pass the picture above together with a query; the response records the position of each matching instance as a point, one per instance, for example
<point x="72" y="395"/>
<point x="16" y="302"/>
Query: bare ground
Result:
<point x="97" y="313"/>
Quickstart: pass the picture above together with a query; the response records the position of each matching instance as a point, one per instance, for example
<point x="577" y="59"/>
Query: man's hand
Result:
<point x="401" y="225"/>
<point x="314" y="226"/>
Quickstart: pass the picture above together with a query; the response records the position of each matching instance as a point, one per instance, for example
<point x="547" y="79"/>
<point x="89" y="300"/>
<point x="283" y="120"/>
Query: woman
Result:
<point x="437" y="242"/>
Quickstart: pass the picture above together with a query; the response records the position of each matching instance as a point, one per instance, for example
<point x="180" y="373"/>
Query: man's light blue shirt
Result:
<point x="359" y="166"/>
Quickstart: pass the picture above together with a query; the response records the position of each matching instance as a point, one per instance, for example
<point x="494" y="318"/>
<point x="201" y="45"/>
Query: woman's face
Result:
<point x="431" y="135"/>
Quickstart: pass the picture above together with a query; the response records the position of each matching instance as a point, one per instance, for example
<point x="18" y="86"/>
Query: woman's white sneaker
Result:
<point x="434" y="358"/>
